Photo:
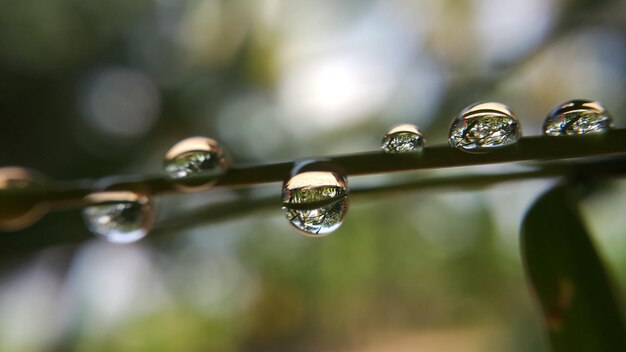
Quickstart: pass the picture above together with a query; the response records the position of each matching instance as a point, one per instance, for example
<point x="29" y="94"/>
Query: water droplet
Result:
<point x="402" y="139"/>
<point x="18" y="211"/>
<point x="316" y="202"/>
<point x="577" y="117"/>
<point x="191" y="161"/>
<point x="484" y="126"/>
<point x="119" y="216"/>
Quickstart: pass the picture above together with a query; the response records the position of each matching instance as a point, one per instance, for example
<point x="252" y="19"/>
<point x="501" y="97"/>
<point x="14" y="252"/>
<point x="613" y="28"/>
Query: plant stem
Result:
<point x="608" y="168"/>
<point x="247" y="202"/>
<point x="536" y="148"/>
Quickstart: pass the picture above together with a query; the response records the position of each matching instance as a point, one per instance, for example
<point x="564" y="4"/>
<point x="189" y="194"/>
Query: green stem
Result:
<point x="536" y="148"/>
<point x="247" y="202"/>
<point x="608" y="168"/>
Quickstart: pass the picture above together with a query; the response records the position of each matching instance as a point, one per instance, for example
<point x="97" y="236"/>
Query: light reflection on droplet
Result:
<point x="484" y="126"/>
<point x="576" y="117"/>
<point x="315" y="202"/>
<point x="23" y="211"/>
<point x="119" y="217"/>
<point x="195" y="158"/>
<point x="403" y="139"/>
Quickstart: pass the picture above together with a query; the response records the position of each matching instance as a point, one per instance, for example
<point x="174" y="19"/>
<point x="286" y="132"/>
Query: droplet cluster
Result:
<point x="195" y="163"/>
<point x="119" y="217"/>
<point x="315" y="202"/>
<point x="316" y="193"/>
<point x="577" y="117"/>
<point x="404" y="138"/>
<point x="23" y="211"/>
<point x="484" y="126"/>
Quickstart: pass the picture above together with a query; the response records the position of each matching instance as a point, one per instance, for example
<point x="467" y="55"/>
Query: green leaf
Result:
<point x="580" y="309"/>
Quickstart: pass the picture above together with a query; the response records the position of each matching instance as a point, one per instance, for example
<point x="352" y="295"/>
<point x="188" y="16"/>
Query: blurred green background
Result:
<point x="90" y="89"/>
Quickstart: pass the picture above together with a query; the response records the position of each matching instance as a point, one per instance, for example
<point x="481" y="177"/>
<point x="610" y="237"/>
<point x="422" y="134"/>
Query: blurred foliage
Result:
<point x="90" y="89"/>
<point x="580" y="310"/>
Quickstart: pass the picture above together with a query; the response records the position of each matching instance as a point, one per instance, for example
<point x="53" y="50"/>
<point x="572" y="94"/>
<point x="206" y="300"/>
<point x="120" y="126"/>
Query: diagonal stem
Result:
<point x="535" y="148"/>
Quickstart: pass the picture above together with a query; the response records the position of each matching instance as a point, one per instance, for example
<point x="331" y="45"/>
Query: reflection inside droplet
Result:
<point x="403" y="139"/>
<point x="316" y="202"/>
<point x="19" y="211"/>
<point x="192" y="160"/>
<point x="119" y="217"/>
<point x="484" y="126"/>
<point x="576" y="117"/>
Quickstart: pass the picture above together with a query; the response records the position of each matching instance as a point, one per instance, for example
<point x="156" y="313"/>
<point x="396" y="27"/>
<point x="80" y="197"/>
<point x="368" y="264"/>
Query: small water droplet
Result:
<point x="191" y="161"/>
<point x="576" y="117"/>
<point x="484" y="126"/>
<point x="119" y="216"/>
<point x="403" y="138"/>
<point x="20" y="211"/>
<point x="316" y="202"/>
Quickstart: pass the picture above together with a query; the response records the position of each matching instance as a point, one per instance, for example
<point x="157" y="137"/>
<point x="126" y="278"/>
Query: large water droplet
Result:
<point x="484" y="126"/>
<point x="316" y="202"/>
<point x="119" y="217"/>
<point x="577" y="117"/>
<point x="402" y="139"/>
<point x="18" y="211"/>
<point x="191" y="161"/>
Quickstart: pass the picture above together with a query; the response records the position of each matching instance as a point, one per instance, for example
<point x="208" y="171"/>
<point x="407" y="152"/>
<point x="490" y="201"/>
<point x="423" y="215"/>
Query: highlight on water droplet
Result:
<point x="191" y="161"/>
<point x="316" y="202"/>
<point x="18" y="211"/>
<point x="484" y="126"/>
<point x="404" y="138"/>
<point x="576" y="117"/>
<point x="119" y="216"/>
